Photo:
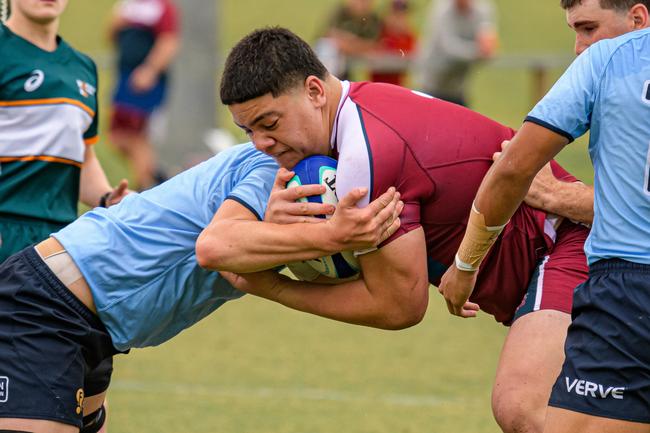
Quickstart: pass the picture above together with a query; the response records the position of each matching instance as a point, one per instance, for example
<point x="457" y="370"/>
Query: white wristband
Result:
<point x="461" y="265"/>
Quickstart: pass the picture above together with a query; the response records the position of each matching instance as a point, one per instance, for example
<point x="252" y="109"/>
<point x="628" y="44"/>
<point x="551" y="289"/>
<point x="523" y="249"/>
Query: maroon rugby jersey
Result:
<point x="436" y="153"/>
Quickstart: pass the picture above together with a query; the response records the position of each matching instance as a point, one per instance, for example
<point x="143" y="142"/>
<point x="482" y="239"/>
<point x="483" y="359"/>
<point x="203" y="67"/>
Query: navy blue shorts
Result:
<point x="54" y="351"/>
<point x="607" y="367"/>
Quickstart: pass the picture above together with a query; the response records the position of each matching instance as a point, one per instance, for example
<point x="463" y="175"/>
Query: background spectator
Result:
<point x="354" y="30"/>
<point x="396" y="37"/>
<point x="458" y="34"/>
<point x="145" y="33"/>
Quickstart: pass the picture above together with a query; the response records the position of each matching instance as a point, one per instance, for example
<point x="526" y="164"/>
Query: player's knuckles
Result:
<point x="297" y="192"/>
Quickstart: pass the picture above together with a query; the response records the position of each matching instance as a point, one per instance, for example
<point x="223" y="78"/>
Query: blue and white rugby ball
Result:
<point x="321" y="169"/>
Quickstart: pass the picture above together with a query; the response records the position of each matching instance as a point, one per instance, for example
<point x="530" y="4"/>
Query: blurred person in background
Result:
<point x="396" y="38"/>
<point x="458" y="34"/>
<point x="146" y="36"/>
<point x="353" y="30"/>
<point x="48" y="125"/>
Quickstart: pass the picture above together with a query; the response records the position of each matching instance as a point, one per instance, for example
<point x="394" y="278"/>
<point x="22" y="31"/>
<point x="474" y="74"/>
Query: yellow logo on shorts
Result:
<point x="80" y="400"/>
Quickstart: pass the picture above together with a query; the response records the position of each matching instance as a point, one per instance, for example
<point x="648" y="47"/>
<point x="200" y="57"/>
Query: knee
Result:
<point x="517" y="412"/>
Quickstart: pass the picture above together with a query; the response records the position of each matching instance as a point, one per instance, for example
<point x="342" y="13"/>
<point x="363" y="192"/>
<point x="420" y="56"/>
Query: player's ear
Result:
<point x="639" y="16"/>
<point x="315" y="89"/>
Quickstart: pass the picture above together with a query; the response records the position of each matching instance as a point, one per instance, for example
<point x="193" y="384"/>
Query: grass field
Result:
<point x="257" y="367"/>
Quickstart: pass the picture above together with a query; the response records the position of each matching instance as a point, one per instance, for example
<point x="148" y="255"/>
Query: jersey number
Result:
<point x="646" y="188"/>
<point x="645" y="97"/>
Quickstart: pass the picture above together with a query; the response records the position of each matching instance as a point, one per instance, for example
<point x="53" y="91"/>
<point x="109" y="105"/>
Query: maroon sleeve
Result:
<point x="560" y="173"/>
<point x="169" y="21"/>
<point x="395" y="165"/>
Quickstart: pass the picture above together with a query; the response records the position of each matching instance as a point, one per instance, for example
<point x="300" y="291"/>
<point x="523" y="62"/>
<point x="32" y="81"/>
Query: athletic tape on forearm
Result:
<point x="477" y="241"/>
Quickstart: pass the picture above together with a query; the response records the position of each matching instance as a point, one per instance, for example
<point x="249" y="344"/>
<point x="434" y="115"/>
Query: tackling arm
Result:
<point x="236" y="241"/>
<point x="573" y="200"/>
<point x="506" y="183"/>
<point x="393" y="293"/>
<point x="501" y="192"/>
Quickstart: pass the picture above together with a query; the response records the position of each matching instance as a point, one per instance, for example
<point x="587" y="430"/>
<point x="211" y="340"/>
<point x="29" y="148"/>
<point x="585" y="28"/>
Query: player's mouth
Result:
<point x="279" y="154"/>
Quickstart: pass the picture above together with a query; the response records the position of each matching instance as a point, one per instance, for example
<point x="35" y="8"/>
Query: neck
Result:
<point x="41" y="35"/>
<point x="334" y="90"/>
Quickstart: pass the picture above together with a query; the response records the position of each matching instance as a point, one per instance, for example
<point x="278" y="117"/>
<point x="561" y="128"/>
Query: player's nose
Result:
<point x="263" y="142"/>
<point x="580" y="46"/>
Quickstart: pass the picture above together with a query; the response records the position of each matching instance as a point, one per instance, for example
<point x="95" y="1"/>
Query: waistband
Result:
<point x="45" y="273"/>
<point x="61" y="264"/>
<point x="617" y="265"/>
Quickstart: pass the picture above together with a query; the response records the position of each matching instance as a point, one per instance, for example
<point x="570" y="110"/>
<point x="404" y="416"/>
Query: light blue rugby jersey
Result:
<point x="606" y="90"/>
<point x="139" y="256"/>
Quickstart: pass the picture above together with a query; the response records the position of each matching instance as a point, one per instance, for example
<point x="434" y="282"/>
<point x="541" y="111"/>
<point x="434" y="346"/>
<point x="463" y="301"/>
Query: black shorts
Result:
<point x="607" y="367"/>
<point x="54" y="350"/>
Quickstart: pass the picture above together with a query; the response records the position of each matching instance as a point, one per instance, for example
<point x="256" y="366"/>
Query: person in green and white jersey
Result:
<point x="48" y="124"/>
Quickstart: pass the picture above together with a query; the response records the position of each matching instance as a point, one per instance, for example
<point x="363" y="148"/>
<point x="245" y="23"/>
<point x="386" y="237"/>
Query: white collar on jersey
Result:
<point x="345" y="89"/>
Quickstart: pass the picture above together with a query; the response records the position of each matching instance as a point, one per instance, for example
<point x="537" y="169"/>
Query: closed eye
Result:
<point x="247" y="131"/>
<point x="586" y="27"/>
<point x="271" y="126"/>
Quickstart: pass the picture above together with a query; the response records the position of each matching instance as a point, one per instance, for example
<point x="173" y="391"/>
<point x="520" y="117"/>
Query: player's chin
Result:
<point x="45" y="17"/>
<point x="287" y="159"/>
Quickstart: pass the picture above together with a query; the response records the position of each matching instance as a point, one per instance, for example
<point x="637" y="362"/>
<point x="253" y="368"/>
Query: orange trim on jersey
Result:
<point x="48" y="101"/>
<point x="40" y="158"/>
<point x="92" y="140"/>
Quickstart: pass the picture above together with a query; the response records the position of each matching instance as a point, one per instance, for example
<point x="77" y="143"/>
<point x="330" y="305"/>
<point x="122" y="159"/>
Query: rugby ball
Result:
<point x="321" y="170"/>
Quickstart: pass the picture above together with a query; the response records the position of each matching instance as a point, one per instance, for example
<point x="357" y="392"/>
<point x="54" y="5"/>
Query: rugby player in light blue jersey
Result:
<point x="128" y="276"/>
<point x="604" y="385"/>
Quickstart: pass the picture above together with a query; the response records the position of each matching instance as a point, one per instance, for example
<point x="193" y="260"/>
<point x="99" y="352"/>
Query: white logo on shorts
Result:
<point x="4" y="389"/>
<point x="595" y="390"/>
<point x="34" y="81"/>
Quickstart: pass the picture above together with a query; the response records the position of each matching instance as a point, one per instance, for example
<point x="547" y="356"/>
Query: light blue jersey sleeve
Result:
<point x="567" y="108"/>
<point x="252" y="192"/>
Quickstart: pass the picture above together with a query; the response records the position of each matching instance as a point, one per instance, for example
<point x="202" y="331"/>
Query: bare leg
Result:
<point x="530" y="362"/>
<point x="93" y="403"/>
<point x="36" y="426"/>
<point x="143" y="159"/>
<point x="138" y="150"/>
<point x="565" y="421"/>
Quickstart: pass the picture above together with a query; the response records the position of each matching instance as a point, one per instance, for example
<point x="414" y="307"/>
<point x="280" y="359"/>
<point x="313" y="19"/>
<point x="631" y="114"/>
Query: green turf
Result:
<point x="257" y="367"/>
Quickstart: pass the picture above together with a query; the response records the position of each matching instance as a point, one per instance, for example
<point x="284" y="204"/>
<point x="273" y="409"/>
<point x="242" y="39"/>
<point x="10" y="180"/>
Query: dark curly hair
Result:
<point x="619" y="5"/>
<point x="269" y="60"/>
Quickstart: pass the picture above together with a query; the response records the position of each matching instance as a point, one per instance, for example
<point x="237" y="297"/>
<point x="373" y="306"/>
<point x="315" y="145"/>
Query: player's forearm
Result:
<point x="163" y="52"/>
<point x="350" y="302"/>
<point x="250" y="246"/>
<point x="506" y="183"/>
<point x="502" y="191"/>
<point x="93" y="182"/>
<point x="572" y="200"/>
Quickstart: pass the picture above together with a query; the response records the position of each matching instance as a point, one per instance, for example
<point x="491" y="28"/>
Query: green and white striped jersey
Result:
<point x="48" y="115"/>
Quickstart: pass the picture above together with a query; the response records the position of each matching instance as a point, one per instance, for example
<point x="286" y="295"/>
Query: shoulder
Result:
<point x="5" y="37"/>
<point x="80" y="59"/>
<point x="485" y="6"/>
<point x="241" y="160"/>
<point x="170" y="6"/>
<point x="626" y="46"/>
